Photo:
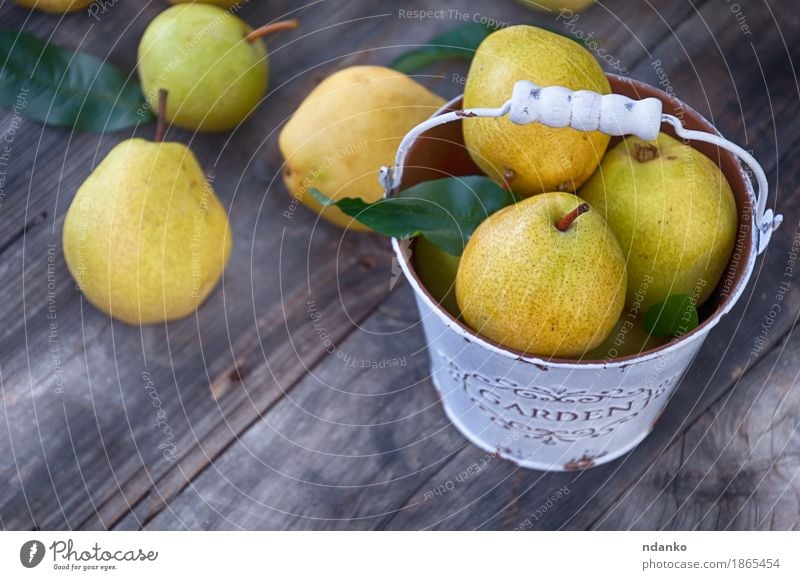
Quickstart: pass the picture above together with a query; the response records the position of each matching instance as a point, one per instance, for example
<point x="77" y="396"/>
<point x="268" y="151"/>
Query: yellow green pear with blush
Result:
<point x="145" y="237"/>
<point x="533" y="158"/>
<point x="544" y="276"/>
<point x="674" y="214"/>
<point x="346" y="129"/>
<point x="213" y="64"/>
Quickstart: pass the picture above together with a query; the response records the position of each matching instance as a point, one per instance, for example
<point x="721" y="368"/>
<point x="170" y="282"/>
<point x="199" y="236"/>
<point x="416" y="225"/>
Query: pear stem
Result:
<point x="567" y="220"/>
<point x="270" y="28"/>
<point x="508" y="178"/>
<point x="161" y="118"/>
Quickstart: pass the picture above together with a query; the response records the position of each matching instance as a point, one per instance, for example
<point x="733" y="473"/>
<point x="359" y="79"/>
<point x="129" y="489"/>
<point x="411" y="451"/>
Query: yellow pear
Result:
<point x="532" y="157"/>
<point x="213" y="64"/>
<point x="544" y="276"/>
<point x="146" y="238"/>
<point x="55" y="6"/>
<point x="673" y="213"/>
<point x="437" y="271"/>
<point x="345" y="130"/>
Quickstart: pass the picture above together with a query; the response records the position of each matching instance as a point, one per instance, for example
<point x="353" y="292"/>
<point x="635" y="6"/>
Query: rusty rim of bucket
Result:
<point x="441" y="152"/>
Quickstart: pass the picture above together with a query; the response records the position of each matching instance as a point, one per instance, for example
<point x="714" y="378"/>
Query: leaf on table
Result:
<point x="673" y="317"/>
<point x="63" y="88"/>
<point x="459" y="42"/>
<point x="446" y="211"/>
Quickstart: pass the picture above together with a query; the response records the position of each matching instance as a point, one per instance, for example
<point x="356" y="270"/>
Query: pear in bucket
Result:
<point x="544" y="276"/>
<point x="533" y="158"/>
<point x="146" y="238"/>
<point x="674" y="214"/>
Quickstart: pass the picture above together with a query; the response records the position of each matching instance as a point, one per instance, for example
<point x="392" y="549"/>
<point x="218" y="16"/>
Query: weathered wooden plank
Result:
<point x="503" y="497"/>
<point x="735" y="468"/>
<point x="104" y="406"/>
<point x="349" y="441"/>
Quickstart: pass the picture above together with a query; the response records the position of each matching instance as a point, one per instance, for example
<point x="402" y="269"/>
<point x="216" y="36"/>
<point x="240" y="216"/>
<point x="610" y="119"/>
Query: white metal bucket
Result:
<point x="555" y="414"/>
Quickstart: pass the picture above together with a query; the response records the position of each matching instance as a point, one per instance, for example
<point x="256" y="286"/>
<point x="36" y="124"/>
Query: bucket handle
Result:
<point x="612" y="114"/>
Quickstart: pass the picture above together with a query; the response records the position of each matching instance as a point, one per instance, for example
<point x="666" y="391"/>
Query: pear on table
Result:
<point x="55" y="6"/>
<point x="544" y="276"/>
<point x="220" y="3"/>
<point x="212" y="63"/>
<point x="145" y="237"/>
<point x="345" y="130"/>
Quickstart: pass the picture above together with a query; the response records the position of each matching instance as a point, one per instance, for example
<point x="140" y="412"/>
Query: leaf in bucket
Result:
<point x="675" y="316"/>
<point x="460" y="42"/>
<point x="446" y="211"/>
<point x="63" y="88"/>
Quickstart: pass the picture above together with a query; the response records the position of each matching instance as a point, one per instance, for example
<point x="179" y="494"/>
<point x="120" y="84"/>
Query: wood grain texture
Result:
<point x="267" y="429"/>
<point x="737" y="467"/>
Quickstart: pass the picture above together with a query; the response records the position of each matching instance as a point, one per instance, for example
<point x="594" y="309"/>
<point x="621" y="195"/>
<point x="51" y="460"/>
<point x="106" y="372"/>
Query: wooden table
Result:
<point x="240" y="418"/>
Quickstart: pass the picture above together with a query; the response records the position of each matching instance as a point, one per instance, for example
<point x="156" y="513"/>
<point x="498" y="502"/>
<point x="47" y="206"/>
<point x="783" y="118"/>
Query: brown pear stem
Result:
<point x="270" y="28"/>
<point x="508" y="178"/>
<point x="161" y="118"/>
<point x="567" y="220"/>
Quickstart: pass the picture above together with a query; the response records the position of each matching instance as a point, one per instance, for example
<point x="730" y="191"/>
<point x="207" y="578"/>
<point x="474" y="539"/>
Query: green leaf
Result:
<point x="59" y="87"/>
<point x="675" y="316"/>
<point x="460" y="42"/>
<point x="446" y="211"/>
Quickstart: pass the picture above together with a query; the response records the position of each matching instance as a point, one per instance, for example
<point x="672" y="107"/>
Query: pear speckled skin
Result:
<point x="345" y="130"/>
<point x="146" y="237"/>
<point x="55" y="6"/>
<point x="673" y="213"/>
<point x="537" y="158"/>
<point x="526" y="285"/>
<point x="199" y="54"/>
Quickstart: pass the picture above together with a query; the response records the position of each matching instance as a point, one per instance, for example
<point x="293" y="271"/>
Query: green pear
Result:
<point x="673" y="213"/>
<point x="211" y="62"/>
<point x="146" y="238"/>
<point x="533" y="158"/>
<point x="627" y="338"/>
<point x="544" y="276"/>
<point x="55" y="6"/>
<point x="345" y="130"/>
<point x="437" y="271"/>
